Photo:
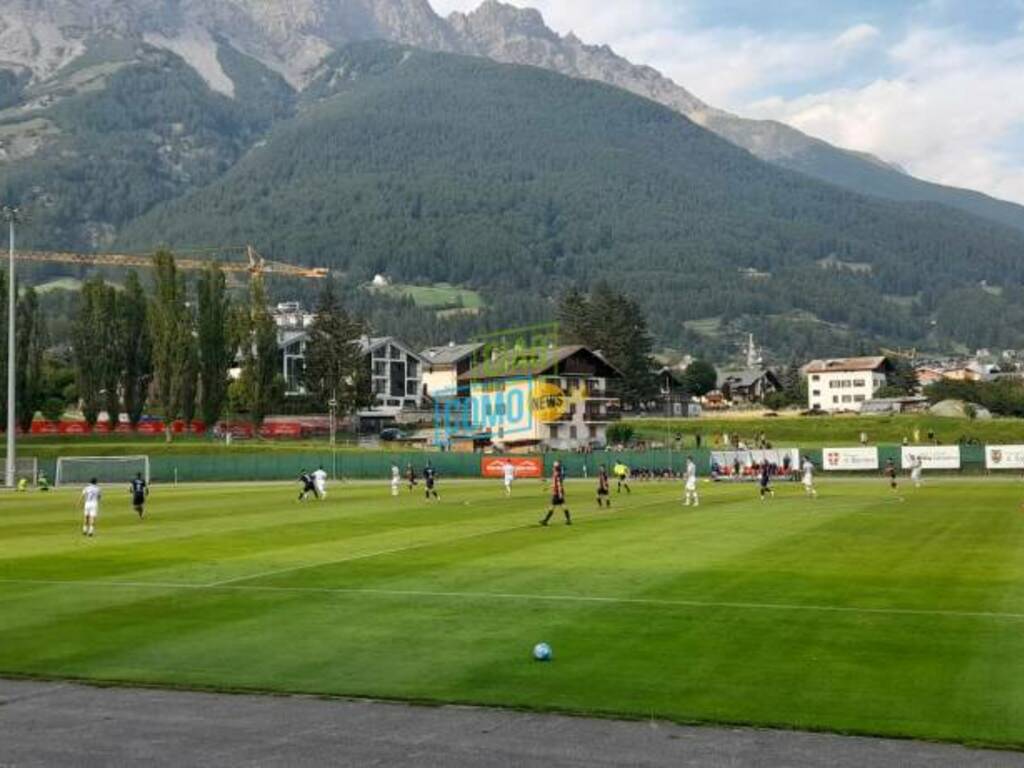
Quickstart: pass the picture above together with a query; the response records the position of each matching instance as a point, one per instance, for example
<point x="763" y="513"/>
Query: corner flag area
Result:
<point x="863" y="611"/>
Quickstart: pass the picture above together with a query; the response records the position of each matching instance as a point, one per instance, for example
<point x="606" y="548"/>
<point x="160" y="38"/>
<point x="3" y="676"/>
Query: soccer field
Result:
<point x="864" y="611"/>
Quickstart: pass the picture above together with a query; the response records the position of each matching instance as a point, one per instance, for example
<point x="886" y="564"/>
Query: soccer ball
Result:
<point x="542" y="652"/>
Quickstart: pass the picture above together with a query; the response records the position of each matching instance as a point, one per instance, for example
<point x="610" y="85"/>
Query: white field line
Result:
<point x="391" y="551"/>
<point x="523" y="597"/>
<point x="234" y="584"/>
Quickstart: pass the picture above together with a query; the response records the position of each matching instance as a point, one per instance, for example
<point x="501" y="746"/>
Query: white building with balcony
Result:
<point x="845" y="384"/>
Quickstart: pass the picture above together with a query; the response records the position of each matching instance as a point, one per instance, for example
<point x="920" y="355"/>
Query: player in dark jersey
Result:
<point x="603" y="487"/>
<point x="766" y="481"/>
<point x="557" y="495"/>
<point x="429" y="481"/>
<point x="890" y="472"/>
<point x="139" y="490"/>
<point x="410" y="476"/>
<point x="308" y="486"/>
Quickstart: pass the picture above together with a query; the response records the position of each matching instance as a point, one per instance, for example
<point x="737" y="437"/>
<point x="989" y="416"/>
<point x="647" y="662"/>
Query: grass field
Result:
<point x="834" y="431"/>
<point x="439" y="296"/>
<point x="864" y="611"/>
<point x="50" y="447"/>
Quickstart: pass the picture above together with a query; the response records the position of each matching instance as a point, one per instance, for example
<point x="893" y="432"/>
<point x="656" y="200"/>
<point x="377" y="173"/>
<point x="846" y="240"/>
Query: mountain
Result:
<point x="127" y="126"/>
<point x="519" y="182"/>
<point x="519" y="36"/>
<point x="38" y="39"/>
<point x="291" y="38"/>
<point x="210" y="122"/>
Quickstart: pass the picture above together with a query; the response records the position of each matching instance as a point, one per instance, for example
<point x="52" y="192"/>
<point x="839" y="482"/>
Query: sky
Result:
<point x="936" y="86"/>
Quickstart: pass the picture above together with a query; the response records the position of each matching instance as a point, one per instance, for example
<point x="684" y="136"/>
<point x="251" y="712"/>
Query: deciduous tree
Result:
<point x="136" y="349"/>
<point x="216" y="345"/>
<point x="262" y="382"/>
<point x="90" y="344"/>
<point x="30" y="342"/>
<point x="168" y="327"/>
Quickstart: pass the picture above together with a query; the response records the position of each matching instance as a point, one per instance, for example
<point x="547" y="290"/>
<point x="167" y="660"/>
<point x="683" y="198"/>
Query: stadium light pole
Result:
<point x="12" y="215"/>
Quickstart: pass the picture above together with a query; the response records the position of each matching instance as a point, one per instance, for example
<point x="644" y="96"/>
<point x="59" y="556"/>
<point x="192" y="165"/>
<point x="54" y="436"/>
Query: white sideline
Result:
<point x="593" y="599"/>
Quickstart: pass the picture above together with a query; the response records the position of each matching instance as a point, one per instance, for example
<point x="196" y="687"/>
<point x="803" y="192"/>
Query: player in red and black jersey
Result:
<point x="557" y="495"/>
<point x="603" y="487"/>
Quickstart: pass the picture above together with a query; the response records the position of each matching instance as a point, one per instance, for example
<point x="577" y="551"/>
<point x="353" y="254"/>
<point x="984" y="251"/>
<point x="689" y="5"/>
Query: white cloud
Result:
<point x="857" y="35"/>
<point x="724" y="65"/>
<point x="945" y="117"/>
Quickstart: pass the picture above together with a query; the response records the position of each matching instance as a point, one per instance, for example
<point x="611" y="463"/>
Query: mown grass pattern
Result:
<point x="864" y="611"/>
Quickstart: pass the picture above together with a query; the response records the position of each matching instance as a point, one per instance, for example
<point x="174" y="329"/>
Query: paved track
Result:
<point x="63" y="724"/>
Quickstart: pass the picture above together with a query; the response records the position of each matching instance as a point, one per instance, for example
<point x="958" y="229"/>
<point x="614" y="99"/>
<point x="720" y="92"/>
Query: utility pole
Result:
<point x="12" y="215"/>
<point x="334" y="429"/>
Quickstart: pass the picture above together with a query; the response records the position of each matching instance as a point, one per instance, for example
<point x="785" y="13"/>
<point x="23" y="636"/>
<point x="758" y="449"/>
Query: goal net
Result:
<point x="79" y="470"/>
<point x="26" y="468"/>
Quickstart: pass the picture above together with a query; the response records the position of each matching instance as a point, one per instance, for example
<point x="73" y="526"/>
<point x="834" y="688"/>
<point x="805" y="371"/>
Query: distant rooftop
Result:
<point x="847" y="364"/>
<point x="450" y="353"/>
<point x="537" y="362"/>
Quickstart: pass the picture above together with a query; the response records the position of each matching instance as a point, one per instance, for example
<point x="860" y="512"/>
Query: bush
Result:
<point x="53" y="409"/>
<point x="620" y="433"/>
<point x="777" y="401"/>
<point x="700" y="378"/>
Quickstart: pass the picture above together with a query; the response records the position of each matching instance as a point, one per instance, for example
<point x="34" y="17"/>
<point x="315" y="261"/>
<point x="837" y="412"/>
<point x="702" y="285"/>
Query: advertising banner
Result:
<point x="932" y="456"/>
<point x="743" y="463"/>
<point x="849" y="459"/>
<point x="526" y="466"/>
<point x="281" y="429"/>
<point x="1004" y="457"/>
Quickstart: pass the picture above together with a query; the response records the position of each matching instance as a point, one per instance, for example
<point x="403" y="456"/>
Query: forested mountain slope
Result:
<point x="123" y="128"/>
<point x="518" y="182"/>
<point x="43" y="43"/>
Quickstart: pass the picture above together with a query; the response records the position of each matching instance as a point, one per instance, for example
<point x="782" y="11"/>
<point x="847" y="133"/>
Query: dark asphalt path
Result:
<point x="63" y="724"/>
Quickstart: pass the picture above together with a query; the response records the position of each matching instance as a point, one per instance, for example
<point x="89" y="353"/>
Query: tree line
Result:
<point x="41" y="383"/>
<point x="170" y="350"/>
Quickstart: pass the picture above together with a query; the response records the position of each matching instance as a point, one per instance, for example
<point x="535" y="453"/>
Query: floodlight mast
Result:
<point x="11" y="215"/>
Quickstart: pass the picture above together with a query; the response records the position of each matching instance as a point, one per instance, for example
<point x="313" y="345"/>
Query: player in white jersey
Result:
<point x="690" y="496"/>
<point x="320" y="483"/>
<point x="396" y="479"/>
<point x="510" y="475"/>
<point x="916" y="468"/>
<point x="91" y="495"/>
<point x="808" y="470"/>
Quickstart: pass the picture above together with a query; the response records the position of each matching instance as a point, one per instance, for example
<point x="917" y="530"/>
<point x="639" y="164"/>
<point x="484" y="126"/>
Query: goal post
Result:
<point x="79" y="470"/>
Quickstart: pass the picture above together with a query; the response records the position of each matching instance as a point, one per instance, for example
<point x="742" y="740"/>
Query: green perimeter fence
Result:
<point x="370" y="465"/>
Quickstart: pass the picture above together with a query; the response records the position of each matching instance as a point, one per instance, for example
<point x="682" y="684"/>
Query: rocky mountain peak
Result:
<point x="291" y="37"/>
<point x="520" y="36"/>
<point x="494" y="19"/>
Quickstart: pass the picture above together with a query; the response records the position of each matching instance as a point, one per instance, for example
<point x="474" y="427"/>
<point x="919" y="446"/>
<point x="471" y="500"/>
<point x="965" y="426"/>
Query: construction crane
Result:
<point x="255" y="265"/>
<point x="906" y="354"/>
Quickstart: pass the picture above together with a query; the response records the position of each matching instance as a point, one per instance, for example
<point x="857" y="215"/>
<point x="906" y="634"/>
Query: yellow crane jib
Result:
<point x="255" y="264"/>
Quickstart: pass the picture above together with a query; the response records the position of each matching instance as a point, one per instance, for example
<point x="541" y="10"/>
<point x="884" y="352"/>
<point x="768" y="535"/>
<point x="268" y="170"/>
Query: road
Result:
<point x="63" y="724"/>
